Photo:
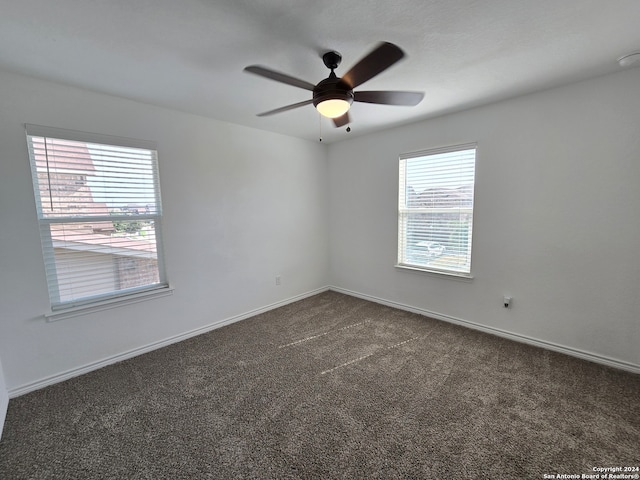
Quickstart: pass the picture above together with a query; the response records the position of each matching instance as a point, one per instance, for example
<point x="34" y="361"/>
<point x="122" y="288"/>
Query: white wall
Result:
<point x="241" y="206"/>
<point x="556" y="221"/>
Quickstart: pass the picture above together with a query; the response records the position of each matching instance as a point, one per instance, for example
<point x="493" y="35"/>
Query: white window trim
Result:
<point x="77" y="136"/>
<point x="434" y="272"/>
<point x="114" y="299"/>
<point x="462" y="276"/>
<point x="108" y="304"/>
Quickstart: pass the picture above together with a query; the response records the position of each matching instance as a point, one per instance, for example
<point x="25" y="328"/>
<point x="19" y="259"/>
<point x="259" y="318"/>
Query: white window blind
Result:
<point x="435" y="209"/>
<point x="99" y="210"/>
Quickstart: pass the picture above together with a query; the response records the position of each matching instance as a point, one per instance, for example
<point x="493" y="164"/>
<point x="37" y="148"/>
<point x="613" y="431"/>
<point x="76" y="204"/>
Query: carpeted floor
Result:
<point x="330" y="387"/>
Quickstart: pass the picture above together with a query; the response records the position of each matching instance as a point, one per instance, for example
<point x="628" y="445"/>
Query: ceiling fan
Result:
<point x="334" y="95"/>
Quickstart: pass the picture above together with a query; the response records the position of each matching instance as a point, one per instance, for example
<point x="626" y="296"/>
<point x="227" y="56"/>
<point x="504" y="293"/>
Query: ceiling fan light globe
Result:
<point x="333" y="108"/>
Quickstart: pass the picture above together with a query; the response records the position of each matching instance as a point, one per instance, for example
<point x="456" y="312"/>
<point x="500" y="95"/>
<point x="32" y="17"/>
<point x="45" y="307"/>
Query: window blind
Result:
<point x="435" y="209"/>
<point x="99" y="210"/>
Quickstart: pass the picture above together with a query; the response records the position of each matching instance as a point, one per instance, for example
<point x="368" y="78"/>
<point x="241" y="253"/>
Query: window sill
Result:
<point x="438" y="273"/>
<point x="108" y="304"/>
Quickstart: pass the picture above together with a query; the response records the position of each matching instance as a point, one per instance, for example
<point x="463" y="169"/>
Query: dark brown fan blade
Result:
<point x="380" y="58"/>
<point x="284" y="109"/>
<point x="279" y="77"/>
<point x="342" y="120"/>
<point x="409" y="99"/>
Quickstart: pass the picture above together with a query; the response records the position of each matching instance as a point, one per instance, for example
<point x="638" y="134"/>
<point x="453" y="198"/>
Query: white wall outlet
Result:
<point x="507" y="301"/>
<point x="278" y="280"/>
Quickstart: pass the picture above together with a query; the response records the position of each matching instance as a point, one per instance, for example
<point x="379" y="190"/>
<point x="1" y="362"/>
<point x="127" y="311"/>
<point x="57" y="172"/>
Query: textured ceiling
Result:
<point x="189" y="54"/>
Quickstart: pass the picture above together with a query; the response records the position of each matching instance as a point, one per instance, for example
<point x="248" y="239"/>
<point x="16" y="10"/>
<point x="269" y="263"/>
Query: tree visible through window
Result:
<point x="435" y="209"/>
<point x="99" y="209"/>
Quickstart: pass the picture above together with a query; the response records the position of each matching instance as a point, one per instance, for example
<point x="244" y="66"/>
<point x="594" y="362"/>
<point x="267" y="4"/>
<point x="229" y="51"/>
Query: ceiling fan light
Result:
<point x="333" y="108"/>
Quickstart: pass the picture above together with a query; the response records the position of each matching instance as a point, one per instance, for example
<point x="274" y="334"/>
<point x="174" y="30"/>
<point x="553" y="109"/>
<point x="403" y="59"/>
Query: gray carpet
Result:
<point x="330" y="387"/>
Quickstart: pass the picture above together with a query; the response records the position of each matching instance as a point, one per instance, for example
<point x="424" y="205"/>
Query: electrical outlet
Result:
<point x="278" y="280"/>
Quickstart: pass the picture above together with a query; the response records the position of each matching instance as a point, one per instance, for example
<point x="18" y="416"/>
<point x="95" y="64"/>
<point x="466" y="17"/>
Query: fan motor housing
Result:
<point x="332" y="88"/>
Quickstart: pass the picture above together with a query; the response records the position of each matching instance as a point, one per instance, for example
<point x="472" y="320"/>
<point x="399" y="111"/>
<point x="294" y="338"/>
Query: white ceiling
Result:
<point x="190" y="54"/>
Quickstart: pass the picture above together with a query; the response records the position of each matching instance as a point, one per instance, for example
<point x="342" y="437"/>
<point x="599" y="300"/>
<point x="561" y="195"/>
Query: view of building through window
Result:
<point x="99" y="212"/>
<point x="435" y="215"/>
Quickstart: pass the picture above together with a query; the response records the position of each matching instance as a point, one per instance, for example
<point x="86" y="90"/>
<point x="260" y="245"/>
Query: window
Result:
<point x="435" y="210"/>
<point x="99" y="210"/>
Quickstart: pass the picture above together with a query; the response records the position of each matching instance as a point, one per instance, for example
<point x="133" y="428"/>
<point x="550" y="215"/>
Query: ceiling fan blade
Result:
<point x="378" y="60"/>
<point x="342" y="120"/>
<point x="408" y="99"/>
<point x="284" y="109"/>
<point x="279" y="77"/>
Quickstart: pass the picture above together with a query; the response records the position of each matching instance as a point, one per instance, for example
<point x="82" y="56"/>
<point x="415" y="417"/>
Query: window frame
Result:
<point x="93" y="302"/>
<point x="404" y="212"/>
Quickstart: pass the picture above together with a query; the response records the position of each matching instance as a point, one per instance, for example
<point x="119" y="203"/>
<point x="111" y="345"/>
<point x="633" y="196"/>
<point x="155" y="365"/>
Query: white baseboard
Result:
<point x="592" y="357"/>
<point x="75" y="372"/>
<point x="4" y="400"/>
